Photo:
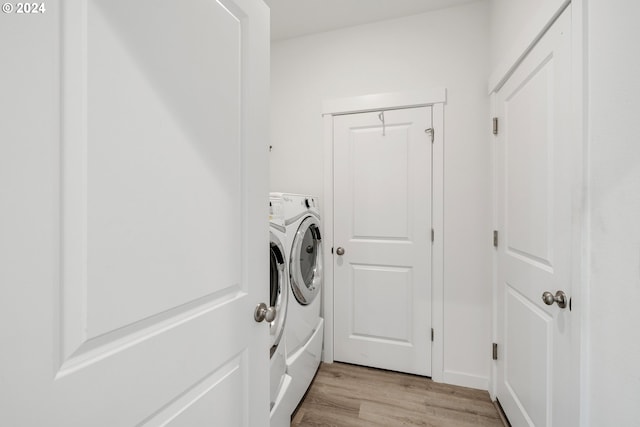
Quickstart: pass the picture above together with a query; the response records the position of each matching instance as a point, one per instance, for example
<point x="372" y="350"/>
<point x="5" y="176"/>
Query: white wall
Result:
<point x="610" y="380"/>
<point x="614" y="177"/>
<point x="512" y="20"/>
<point x="447" y="48"/>
<point x="514" y="27"/>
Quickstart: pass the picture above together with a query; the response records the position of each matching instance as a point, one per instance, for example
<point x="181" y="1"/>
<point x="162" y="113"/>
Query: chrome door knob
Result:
<point x="559" y="298"/>
<point x="263" y="312"/>
<point x="340" y="251"/>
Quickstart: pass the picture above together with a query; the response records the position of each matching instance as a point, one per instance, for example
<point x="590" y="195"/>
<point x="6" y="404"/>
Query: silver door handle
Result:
<point x="340" y="251"/>
<point x="263" y="312"/>
<point x="559" y="298"/>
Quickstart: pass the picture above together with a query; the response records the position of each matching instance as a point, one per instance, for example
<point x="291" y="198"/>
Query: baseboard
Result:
<point x="465" y="380"/>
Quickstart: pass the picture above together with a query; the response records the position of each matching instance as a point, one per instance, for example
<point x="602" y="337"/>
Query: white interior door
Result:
<point x="133" y="214"/>
<point x="538" y="204"/>
<point x="382" y="238"/>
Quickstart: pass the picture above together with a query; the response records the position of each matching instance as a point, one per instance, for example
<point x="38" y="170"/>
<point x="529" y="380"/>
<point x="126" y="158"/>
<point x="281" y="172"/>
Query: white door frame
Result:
<point x="385" y="101"/>
<point x="523" y="44"/>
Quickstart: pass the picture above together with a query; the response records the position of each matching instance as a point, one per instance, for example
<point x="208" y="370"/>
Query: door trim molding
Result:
<point x="383" y="101"/>
<point x="436" y="98"/>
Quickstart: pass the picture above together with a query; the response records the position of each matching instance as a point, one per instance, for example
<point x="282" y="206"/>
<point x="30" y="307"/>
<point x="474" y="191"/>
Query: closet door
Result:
<point x="132" y="173"/>
<point x="538" y="179"/>
<point x="382" y="239"/>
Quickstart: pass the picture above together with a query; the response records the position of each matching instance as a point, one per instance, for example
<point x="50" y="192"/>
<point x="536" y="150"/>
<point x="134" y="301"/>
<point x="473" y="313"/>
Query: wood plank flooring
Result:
<point x="345" y="395"/>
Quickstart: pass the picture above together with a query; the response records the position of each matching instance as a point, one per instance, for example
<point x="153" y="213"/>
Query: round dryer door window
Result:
<point x="306" y="261"/>
<point x="277" y="291"/>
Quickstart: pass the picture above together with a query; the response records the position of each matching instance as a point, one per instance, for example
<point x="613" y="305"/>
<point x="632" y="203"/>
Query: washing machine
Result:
<point x="278" y="298"/>
<point x="304" y="331"/>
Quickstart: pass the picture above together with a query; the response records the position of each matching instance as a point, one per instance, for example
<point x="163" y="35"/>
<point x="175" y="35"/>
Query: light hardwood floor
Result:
<point x="345" y="395"/>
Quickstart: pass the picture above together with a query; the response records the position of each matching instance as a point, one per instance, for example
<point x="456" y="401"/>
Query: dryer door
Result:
<point x="277" y="290"/>
<point x="306" y="261"/>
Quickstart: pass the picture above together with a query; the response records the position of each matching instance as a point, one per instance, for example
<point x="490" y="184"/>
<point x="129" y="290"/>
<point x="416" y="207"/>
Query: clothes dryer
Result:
<point x="278" y="295"/>
<point x="305" y="326"/>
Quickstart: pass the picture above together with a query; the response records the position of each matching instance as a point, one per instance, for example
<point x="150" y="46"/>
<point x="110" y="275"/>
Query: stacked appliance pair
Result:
<point x="299" y="216"/>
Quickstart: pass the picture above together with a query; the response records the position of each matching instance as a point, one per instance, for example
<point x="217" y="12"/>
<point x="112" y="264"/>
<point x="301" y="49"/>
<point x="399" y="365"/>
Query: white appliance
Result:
<point x="278" y="298"/>
<point x="304" y="330"/>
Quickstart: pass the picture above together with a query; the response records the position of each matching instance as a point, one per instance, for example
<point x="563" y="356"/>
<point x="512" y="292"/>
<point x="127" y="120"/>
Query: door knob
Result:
<point x="560" y="298"/>
<point x="340" y="251"/>
<point x="263" y="312"/>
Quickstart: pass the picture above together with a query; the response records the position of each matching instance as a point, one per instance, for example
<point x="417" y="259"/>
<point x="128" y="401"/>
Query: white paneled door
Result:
<point x="538" y="181"/>
<point x="382" y="238"/>
<point x="133" y="214"/>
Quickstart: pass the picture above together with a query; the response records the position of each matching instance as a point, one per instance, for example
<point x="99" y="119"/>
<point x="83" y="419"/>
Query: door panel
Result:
<point x="213" y="401"/>
<point x="380" y="286"/>
<point x="148" y="227"/>
<point x="537" y="179"/>
<point x="528" y="160"/>
<point x="530" y="350"/>
<point x="146" y="203"/>
<point x="382" y="220"/>
<point x="371" y="213"/>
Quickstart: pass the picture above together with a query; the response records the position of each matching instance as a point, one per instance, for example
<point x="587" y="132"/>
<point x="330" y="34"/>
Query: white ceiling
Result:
<point x="293" y="18"/>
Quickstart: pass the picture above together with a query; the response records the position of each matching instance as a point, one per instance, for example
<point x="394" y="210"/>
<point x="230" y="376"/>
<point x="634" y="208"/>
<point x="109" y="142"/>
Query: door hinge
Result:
<point x="431" y="334"/>
<point x="433" y="235"/>
<point x="431" y="132"/>
<point x="495" y="125"/>
<point x="495" y="238"/>
<point x="494" y="350"/>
